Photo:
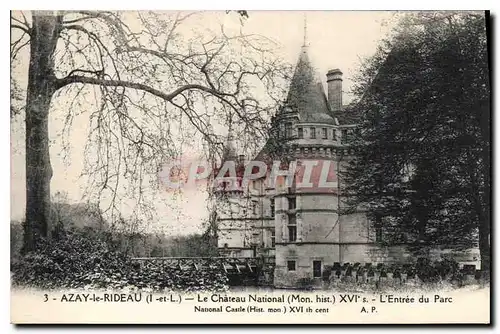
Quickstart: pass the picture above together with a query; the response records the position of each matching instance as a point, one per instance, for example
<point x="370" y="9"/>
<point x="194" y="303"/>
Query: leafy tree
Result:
<point x="422" y="162"/>
<point x="150" y="74"/>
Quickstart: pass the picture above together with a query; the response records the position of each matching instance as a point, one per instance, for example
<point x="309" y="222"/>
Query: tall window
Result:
<point x="254" y="207"/>
<point x="288" y="130"/>
<point x="292" y="228"/>
<point x="272" y="207"/>
<point x="292" y="203"/>
<point x="290" y="265"/>
<point x="334" y="135"/>
<point x="325" y="133"/>
<point x="313" y="133"/>
<point x="300" y="133"/>
<point x="316" y="269"/>
<point x="273" y="239"/>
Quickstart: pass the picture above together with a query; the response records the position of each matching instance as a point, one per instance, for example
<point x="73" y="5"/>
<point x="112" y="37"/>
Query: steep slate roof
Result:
<point x="352" y="114"/>
<point x="306" y="93"/>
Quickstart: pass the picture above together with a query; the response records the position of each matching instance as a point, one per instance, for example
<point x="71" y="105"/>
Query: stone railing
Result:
<point x="370" y="275"/>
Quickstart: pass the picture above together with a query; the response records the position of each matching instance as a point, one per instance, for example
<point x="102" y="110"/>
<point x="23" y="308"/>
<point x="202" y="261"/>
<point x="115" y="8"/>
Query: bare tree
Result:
<point x="150" y="74"/>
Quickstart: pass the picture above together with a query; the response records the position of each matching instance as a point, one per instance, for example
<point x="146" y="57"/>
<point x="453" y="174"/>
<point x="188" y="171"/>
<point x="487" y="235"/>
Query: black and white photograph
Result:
<point x="250" y="167"/>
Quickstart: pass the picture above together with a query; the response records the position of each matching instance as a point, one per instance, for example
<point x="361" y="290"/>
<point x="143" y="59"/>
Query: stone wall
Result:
<point x="379" y="275"/>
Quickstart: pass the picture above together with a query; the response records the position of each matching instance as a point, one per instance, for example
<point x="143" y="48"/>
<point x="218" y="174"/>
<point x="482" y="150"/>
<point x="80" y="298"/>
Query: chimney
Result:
<point x="334" y="80"/>
<point x="241" y="159"/>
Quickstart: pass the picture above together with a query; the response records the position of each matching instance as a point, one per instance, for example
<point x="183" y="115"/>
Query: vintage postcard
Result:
<point x="250" y="167"/>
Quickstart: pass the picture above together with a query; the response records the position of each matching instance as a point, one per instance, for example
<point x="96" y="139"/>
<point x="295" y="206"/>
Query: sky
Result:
<point x="338" y="39"/>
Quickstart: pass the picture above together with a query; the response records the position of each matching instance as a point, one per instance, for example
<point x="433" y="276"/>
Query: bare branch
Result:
<point x="99" y="43"/>
<point x="156" y="89"/>
<point x="134" y="85"/>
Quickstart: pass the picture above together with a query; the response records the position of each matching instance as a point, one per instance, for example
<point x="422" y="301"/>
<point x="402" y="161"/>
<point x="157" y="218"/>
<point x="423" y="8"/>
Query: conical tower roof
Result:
<point x="306" y="93"/>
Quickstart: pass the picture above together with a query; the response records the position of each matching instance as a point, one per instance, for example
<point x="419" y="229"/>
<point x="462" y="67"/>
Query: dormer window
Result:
<point x="313" y="133"/>
<point x="288" y="130"/>
<point x="292" y="227"/>
<point x="272" y="207"/>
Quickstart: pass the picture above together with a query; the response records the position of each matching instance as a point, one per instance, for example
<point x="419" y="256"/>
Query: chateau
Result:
<point x="298" y="229"/>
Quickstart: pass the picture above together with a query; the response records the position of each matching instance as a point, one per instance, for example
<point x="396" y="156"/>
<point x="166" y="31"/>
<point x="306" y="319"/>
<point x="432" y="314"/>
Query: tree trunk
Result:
<point x="41" y="87"/>
<point x="480" y="197"/>
<point x="484" y="246"/>
<point x="485" y="228"/>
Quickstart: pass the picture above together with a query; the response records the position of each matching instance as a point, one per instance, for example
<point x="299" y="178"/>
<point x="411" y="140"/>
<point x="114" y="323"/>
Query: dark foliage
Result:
<point x="422" y="163"/>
